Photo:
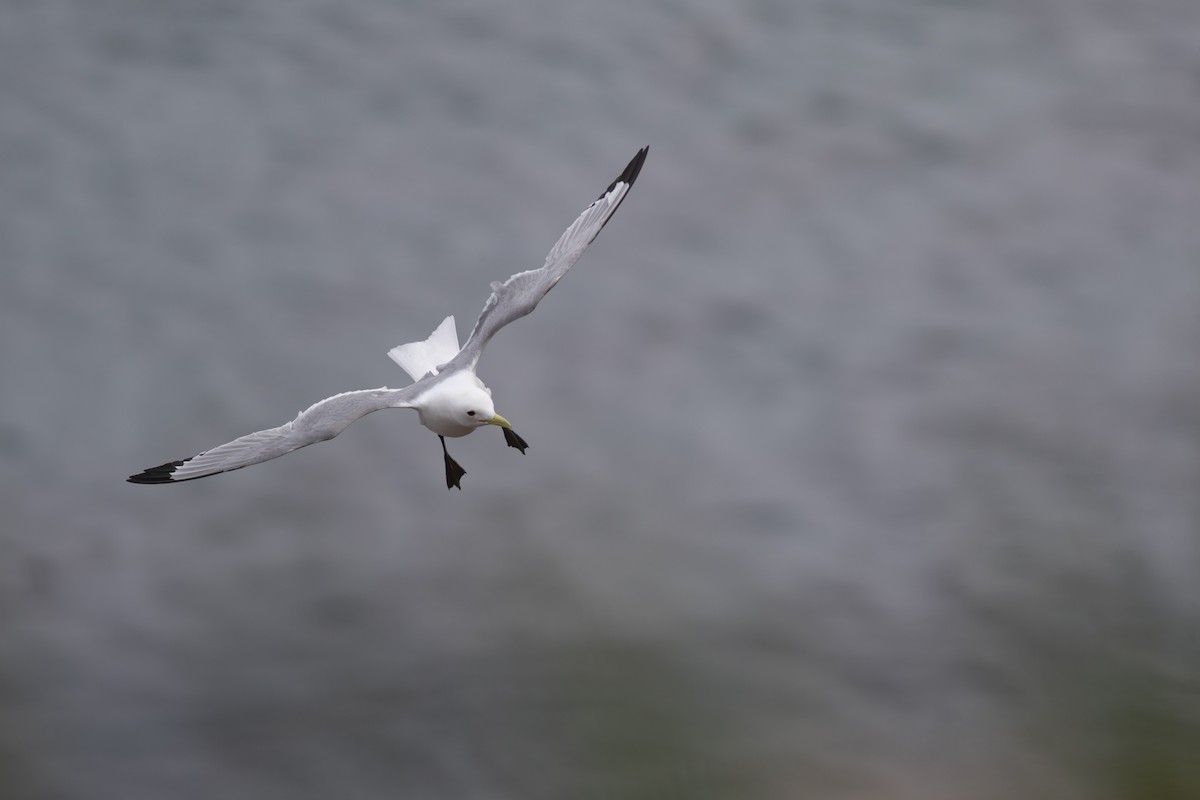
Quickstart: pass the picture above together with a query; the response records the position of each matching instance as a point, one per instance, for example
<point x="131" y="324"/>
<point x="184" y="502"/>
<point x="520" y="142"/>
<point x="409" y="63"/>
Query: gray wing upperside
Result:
<point x="321" y="421"/>
<point x="520" y="294"/>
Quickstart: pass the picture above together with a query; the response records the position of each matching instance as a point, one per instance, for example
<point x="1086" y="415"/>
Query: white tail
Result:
<point x="420" y="358"/>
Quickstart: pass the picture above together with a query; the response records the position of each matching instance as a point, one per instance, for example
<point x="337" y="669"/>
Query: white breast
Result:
<point x="443" y="407"/>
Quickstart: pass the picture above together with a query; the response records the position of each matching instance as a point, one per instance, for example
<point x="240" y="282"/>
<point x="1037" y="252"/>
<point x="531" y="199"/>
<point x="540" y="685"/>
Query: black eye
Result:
<point x="470" y="413"/>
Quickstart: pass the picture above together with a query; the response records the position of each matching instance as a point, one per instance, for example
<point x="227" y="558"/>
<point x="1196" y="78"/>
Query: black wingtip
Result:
<point x="631" y="171"/>
<point x="162" y="474"/>
<point x="159" y="474"/>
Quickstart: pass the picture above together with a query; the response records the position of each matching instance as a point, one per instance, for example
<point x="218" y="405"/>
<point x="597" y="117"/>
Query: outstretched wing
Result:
<point x="520" y="294"/>
<point x="319" y="422"/>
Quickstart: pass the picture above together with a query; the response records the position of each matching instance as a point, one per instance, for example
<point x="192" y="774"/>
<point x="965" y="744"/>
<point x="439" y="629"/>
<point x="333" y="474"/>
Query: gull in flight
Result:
<point x="448" y="397"/>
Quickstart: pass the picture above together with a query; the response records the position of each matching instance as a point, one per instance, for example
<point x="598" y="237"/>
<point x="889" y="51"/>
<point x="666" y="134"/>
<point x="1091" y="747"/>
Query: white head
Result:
<point x="459" y="405"/>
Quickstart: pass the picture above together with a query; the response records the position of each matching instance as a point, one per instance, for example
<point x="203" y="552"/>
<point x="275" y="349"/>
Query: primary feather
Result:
<point x="317" y="423"/>
<point x="521" y="293"/>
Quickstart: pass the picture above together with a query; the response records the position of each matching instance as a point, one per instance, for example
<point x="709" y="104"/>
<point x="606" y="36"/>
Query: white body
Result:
<point x="456" y="406"/>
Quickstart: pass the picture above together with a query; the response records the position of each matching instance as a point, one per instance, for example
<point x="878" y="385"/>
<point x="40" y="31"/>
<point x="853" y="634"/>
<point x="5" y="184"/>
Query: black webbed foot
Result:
<point x="454" y="472"/>
<point x="513" y="440"/>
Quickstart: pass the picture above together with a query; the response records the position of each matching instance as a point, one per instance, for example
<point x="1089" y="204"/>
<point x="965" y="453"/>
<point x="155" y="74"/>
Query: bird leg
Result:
<point x="454" y="472"/>
<point x="513" y="440"/>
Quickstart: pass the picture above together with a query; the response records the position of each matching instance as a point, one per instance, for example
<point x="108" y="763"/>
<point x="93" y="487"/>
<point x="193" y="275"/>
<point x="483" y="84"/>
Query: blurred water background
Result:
<point x="865" y="441"/>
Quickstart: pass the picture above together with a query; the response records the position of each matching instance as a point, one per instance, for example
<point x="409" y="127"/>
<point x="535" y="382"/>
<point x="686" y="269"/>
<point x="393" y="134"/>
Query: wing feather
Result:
<point x="520" y="294"/>
<point x="317" y="423"/>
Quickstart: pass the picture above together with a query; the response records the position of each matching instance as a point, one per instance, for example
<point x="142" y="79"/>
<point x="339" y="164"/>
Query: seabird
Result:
<point x="448" y="396"/>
